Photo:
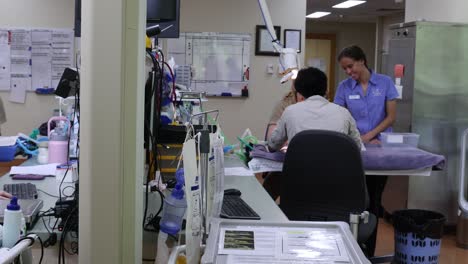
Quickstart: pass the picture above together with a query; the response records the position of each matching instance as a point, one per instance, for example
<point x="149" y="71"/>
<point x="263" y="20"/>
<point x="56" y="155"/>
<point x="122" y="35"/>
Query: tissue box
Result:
<point x="399" y="139"/>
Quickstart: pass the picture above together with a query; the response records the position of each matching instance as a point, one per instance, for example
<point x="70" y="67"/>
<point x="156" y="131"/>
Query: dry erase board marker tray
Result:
<point x="230" y="241"/>
<point x="169" y="134"/>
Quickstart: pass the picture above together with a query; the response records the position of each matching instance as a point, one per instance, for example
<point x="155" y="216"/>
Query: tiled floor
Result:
<point x="450" y="253"/>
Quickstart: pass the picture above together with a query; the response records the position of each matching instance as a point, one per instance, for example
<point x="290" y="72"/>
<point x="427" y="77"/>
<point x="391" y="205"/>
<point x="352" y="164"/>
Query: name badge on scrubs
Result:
<point x="354" y="97"/>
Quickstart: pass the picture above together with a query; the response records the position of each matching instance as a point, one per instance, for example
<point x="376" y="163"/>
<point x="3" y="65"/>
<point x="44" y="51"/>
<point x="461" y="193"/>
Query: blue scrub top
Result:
<point x="368" y="110"/>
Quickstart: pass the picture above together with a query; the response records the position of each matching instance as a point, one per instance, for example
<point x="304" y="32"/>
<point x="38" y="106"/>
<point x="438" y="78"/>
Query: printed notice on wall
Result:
<point x="4" y="60"/>
<point x="33" y="58"/>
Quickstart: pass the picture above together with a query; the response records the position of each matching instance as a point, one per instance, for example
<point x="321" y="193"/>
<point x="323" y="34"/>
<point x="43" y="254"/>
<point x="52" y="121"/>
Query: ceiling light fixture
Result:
<point x="318" y="14"/>
<point x="348" y="4"/>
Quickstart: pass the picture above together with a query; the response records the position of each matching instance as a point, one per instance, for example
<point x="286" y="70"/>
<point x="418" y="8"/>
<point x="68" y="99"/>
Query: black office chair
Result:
<point x="323" y="180"/>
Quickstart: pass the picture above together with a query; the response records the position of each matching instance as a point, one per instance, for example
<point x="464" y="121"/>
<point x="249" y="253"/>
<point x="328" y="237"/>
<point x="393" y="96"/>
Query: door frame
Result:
<point x="332" y="77"/>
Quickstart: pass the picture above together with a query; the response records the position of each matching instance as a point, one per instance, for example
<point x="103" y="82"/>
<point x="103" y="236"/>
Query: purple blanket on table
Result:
<point x="378" y="158"/>
<point x="260" y="151"/>
<point x="393" y="158"/>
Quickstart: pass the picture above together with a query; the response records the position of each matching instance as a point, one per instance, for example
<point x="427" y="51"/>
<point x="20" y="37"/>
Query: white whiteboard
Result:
<point x="220" y="61"/>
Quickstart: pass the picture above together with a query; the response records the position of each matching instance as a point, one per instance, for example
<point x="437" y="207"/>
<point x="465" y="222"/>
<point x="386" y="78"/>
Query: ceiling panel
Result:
<point x="367" y="12"/>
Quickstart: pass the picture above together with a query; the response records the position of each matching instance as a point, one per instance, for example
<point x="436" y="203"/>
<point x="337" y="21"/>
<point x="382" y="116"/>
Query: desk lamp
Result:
<point x="289" y="61"/>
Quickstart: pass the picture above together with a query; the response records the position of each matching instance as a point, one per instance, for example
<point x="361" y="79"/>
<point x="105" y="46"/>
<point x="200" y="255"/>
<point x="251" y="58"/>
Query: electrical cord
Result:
<point x="66" y="228"/>
<point x="69" y="195"/>
<point x="51" y="195"/>
<point x="156" y="93"/>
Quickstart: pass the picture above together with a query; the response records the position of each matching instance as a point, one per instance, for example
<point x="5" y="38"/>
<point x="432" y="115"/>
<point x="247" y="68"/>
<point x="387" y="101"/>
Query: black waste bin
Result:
<point x="418" y="236"/>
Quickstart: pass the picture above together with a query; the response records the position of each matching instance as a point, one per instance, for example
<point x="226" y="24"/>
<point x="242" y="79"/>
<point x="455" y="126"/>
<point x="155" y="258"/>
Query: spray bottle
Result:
<point x="12" y="223"/>
<point x="171" y="221"/>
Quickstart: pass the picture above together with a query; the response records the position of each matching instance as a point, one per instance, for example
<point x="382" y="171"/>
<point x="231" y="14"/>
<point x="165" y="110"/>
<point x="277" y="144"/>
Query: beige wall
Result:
<point x="318" y="49"/>
<point x="27" y="13"/>
<point x="436" y="10"/>
<point x="241" y="16"/>
<point x="361" y="34"/>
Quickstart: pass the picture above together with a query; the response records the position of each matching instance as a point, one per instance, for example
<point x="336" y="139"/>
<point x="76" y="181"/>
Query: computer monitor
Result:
<point x="160" y="10"/>
<point x="164" y="13"/>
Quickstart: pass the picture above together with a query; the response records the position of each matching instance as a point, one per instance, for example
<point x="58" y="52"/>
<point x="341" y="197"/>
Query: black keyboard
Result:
<point x="235" y="208"/>
<point x="21" y="190"/>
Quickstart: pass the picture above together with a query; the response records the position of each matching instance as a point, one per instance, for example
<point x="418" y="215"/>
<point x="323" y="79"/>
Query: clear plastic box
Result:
<point x="399" y="139"/>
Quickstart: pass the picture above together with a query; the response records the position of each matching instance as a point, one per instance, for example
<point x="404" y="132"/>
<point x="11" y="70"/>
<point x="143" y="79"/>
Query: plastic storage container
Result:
<point x="7" y="153"/>
<point x="399" y="139"/>
<point x="418" y="236"/>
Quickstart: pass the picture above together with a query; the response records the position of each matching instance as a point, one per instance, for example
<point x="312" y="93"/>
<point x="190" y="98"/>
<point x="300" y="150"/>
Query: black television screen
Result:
<point x="160" y="10"/>
<point x="164" y="13"/>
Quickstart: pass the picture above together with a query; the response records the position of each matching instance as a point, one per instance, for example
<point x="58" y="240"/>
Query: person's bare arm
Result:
<point x="5" y="195"/>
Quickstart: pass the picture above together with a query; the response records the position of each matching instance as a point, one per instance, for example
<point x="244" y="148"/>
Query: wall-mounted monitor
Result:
<point x="164" y="13"/>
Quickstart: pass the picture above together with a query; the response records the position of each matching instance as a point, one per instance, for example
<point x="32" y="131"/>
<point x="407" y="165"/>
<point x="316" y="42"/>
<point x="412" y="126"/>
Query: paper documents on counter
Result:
<point x="237" y="171"/>
<point x="282" y="245"/>
<point x="264" y="165"/>
<point x="47" y="169"/>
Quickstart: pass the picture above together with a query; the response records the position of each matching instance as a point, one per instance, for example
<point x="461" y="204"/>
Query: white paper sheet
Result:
<point x="4" y="66"/>
<point x="21" y="43"/>
<point x="41" y="37"/>
<point x="41" y="59"/>
<point x="238" y="171"/>
<point x="19" y="85"/>
<point x="62" y="53"/>
<point x="282" y="245"/>
<point x="4" y="37"/>
<point x="20" y="64"/>
<point x="5" y="81"/>
<point x="257" y="165"/>
<point x="47" y="169"/>
<point x="7" y="141"/>
<point x="41" y="72"/>
<point x="238" y="259"/>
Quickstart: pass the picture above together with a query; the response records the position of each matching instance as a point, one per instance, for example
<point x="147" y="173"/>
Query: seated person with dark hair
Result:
<point x="312" y="111"/>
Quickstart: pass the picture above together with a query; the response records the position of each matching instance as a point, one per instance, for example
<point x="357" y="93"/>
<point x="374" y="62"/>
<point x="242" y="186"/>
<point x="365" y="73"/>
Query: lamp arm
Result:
<point x="288" y="60"/>
<point x="269" y="25"/>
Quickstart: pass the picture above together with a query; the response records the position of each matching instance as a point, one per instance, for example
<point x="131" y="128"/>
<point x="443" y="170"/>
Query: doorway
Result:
<point x="320" y="52"/>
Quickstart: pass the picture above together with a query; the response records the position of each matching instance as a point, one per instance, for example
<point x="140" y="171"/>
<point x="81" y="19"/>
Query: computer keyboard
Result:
<point x="21" y="190"/>
<point x="236" y="208"/>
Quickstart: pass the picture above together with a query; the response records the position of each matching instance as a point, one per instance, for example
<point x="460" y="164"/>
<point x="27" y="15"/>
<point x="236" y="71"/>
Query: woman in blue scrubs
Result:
<point x="371" y="99"/>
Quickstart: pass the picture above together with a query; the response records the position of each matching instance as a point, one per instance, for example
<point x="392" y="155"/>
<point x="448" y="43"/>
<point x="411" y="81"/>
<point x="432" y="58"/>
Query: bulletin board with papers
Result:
<point x="219" y="61"/>
<point x="33" y="58"/>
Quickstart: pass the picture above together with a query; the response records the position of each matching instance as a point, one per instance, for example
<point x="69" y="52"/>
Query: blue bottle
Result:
<point x="173" y="211"/>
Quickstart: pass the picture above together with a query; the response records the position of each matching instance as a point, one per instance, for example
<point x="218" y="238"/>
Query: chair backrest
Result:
<point x="323" y="178"/>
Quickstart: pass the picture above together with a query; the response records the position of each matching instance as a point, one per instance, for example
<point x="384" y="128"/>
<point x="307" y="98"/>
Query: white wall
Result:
<point x="27" y="13"/>
<point x="436" y="10"/>
<point x="384" y="35"/>
<point x="361" y="34"/>
<point x="241" y="16"/>
<point x="111" y="157"/>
